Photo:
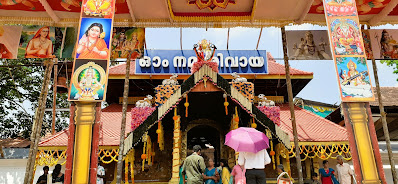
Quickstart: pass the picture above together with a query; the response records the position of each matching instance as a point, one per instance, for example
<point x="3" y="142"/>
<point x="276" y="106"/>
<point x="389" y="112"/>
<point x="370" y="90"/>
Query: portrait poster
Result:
<point x="354" y="79"/>
<point x="308" y="45"/>
<point x="9" y="41"/>
<point x="94" y="38"/>
<point x="384" y="43"/>
<point x="98" y="8"/>
<point x="367" y="44"/>
<point x="37" y="42"/>
<point x="126" y="39"/>
<point x="346" y="37"/>
<point x="89" y="80"/>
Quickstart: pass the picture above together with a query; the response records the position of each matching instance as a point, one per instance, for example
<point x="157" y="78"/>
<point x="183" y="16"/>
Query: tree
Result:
<point x="393" y="63"/>
<point x="20" y="86"/>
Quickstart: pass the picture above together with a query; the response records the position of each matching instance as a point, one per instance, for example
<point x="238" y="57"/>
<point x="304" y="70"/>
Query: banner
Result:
<point x="181" y="61"/>
<point x="9" y="41"/>
<point x="308" y="45"/>
<point x="348" y="51"/>
<point x="92" y="53"/>
<point x="125" y="39"/>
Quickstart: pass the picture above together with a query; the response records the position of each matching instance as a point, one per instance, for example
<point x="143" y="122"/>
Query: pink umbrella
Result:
<point x="247" y="140"/>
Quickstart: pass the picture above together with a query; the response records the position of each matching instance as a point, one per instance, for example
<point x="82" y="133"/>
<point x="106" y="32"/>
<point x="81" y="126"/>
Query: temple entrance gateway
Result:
<point x="208" y="138"/>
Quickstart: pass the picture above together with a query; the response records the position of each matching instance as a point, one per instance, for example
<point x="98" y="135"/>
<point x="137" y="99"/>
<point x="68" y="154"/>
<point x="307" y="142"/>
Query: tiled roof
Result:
<point x="310" y="127"/>
<point x="111" y="118"/>
<point x="14" y="143"/>
<point x="389" y="96"/>
<point x="274" y="68"/>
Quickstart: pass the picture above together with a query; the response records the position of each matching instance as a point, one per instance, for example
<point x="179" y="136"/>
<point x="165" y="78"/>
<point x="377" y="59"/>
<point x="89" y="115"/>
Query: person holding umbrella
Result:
<point x="253" y="156"/>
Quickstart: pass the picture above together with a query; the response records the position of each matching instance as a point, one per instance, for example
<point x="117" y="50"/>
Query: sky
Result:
<point x="323" y="87"/>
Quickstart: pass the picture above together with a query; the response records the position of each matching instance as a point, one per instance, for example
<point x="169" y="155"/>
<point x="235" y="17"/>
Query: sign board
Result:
<point x="180" y="61"/>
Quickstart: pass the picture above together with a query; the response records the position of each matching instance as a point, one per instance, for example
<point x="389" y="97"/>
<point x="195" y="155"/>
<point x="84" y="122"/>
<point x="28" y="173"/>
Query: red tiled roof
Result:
<point x="274" y="68"/>
<point x="389" y="95"/>
<point x="310" y="127"/>
<point x="111" y="118"/>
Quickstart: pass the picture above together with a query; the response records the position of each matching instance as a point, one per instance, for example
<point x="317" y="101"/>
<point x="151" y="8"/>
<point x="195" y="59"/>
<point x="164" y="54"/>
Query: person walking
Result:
<point x="100" y="173"/>
<point x="194" y="166"/>
<point x="43" y="178"/>
<point x="225" y="172"/>
<point x="344" y="172"/>
<point x="238" y="173"/>
<point x="327" y="174"/>
<point x="254" y="163"/>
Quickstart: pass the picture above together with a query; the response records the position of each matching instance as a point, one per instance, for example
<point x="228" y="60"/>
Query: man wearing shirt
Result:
<point x="254" y="163"/>
<point x="194" y="166"/>
<point x="344" y="171"/>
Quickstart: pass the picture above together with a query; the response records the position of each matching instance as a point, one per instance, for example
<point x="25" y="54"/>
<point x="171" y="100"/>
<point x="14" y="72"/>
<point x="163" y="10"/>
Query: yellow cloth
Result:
<point x="226" y="175"/>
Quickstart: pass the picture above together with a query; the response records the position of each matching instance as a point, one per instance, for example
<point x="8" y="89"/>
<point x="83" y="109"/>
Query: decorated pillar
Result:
<point x="355" y="88"/>
<point x="175" y="177"/>
<point x="88" y="88"/>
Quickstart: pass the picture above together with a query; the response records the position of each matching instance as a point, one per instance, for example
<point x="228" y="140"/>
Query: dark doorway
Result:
<point x="208" y="138"/>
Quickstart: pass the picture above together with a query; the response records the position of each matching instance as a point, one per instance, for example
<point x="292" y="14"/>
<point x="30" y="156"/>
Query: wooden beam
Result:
<point x="259" y="37"/>
<point x="50" y="11"/>
<point x="253" y="10"/>
<point x="130" y="6"/>
<point x="168" y="6"/>
<point x="305" y="12"/>
<point x="383" y="13"/>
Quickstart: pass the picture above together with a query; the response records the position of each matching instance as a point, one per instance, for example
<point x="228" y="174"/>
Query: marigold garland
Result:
<point x="160" y="133"/>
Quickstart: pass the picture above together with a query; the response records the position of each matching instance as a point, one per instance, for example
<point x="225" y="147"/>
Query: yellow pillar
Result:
<point x="359" y="119"/>
<point x="84" y="120"/>
<point x="175" y="177"/>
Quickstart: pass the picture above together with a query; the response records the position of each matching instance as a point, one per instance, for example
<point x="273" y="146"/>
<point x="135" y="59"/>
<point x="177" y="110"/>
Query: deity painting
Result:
<point x="88" y="81"/>
<point x="354" y="79"/>
<point x="94" y="38"/>
<point x="37" y="42"/>
<point x="128" y="40"/>
<point x="346" y="37"/>
<point x="340" y="8"/>
<point x="308" y="45"/>
<point x="367" y="44"/>
<point x="384" y="43"/>
<point x="100" y="8"/>
<point x="9" y="40"/>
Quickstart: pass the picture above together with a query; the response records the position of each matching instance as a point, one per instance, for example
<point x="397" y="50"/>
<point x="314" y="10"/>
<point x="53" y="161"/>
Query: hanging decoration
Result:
<point x="144" y="156"/>
<point x="226" y="103"/>
<point x="253" y="124"/>
<point x="177" y="145"/>
<point x="272" y="152"/>
<point x="186" y="104"/>
<point x="126" y="170"/>
<point x="160" y="133"/>
<point x="132" y="159"/>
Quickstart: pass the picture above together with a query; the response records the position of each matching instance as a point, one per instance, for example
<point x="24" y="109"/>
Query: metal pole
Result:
<point x="291" y="105"/>
<point x="384" y="122"/>
<point x="123" y="126"/>
<point x="37" y="123"/>
<point x="54" y="96"/>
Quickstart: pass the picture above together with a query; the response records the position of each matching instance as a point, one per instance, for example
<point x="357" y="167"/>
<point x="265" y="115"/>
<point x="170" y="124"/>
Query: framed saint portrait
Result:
<point x="89" y="80"/>
<point x="94" y="38"/>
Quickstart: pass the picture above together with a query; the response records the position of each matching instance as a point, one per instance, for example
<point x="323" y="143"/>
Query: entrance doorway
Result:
<point x="208" y="138"/>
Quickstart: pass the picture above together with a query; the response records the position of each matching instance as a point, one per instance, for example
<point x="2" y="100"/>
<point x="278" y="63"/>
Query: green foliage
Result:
<point x="392" y="63"/>
<point x="19" y="96"/>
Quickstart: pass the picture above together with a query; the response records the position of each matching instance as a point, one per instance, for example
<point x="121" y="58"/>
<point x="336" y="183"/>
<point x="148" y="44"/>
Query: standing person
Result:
<point x="100" y="173"/>
<point x="344" y="171"/>
<point x="211" y="175"/>
<point x="254" y="163"/>
<point x="43" y="178"/>
<point x="225" y="172"/>
<point x="57" y="176"/>
<point x="315" y="178"/>
<point x="283" y="176"/>
<point x="238" y="173"/>
<point x="327" y="174"/>
<point x="193" y="167"/>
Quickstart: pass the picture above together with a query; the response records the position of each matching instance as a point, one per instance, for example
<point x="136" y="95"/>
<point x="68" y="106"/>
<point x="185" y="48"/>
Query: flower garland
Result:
<point x="273" y="113"/>
<point x="139" y="115"/>
<point x="197" y="65"/>
<point x="160" y="133"/>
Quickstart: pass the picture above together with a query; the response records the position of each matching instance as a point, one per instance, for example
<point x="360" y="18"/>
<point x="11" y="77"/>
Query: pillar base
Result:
<point x="371" y="181"/>
<point x="174" y="181"/>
